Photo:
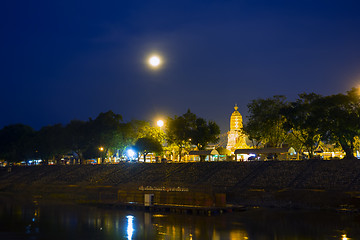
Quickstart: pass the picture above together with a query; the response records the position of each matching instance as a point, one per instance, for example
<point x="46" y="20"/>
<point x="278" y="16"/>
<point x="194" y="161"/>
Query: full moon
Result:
<point x="154" y="61"/>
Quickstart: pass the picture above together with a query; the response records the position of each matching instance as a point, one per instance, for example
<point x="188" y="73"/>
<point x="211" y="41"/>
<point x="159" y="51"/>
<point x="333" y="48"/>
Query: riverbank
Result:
<point x="307" y="184"/>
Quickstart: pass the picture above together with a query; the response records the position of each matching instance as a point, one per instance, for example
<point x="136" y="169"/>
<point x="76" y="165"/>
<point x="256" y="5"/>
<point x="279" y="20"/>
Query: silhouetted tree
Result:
<point x="189" y="129"/>
<point x="51" y="143"/>
<point x="107" y="132"/>
<point x="78" y="134"/>
<point x="178" y="133"/>
<point x="203" y="134"/>
<point x="148" y="145"/>
<point x="16" y="143"/>
<point x="340" y="119"/>
<point x="265" y="121"/>
<point x="303" y="119"/>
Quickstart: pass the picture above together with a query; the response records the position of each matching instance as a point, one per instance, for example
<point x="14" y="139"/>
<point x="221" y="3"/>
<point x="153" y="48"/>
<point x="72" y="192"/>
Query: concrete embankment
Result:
<point x="303" y="184"/>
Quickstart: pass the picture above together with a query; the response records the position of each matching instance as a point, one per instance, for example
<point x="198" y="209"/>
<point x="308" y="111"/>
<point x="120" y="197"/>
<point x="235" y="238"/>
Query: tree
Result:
<point x="141" y="129"/>
<point x="205" y="133"/>
<point x="302" y="120"/>
<point x="78" y="135"/>
<point x="340" y="122"/>
<point x="189" y="129"/>
<point x="106" y="132"/>
<point x="50" y="143"/>
<point x="177" y="133"/>
<point x="16" y="143"/>
<point x="357" y="144"/>
<point x="148" y="145"/>
<point x="265" y="121"/>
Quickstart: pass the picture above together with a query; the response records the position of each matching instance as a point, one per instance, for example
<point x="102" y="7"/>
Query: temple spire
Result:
<point x="236" y="139"/>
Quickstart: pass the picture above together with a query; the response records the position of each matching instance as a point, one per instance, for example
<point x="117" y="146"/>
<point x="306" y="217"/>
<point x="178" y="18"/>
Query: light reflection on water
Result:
<point x="344" y="237"/>
<point x="79" y="222"/>
<point x="130" y="227"/>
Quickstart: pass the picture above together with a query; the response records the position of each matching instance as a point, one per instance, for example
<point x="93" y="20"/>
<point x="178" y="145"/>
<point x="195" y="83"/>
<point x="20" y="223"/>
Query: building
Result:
<point x="263" y="154"/>
<point x="236" y="139"/>
<point x="208" y="155"/>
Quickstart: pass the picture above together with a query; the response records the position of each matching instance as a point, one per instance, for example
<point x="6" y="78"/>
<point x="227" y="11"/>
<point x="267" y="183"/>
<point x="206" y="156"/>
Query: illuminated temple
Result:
<point x="236" y="139"/>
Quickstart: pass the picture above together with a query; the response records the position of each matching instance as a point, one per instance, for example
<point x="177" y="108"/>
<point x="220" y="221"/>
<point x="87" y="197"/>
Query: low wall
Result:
<point x="324" y="184"/>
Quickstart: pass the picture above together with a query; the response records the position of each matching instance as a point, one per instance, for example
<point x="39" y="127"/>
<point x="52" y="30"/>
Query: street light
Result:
<point x="131" y="154"/>
<point x="101" y="149"/>
<point x="160" y="123"/>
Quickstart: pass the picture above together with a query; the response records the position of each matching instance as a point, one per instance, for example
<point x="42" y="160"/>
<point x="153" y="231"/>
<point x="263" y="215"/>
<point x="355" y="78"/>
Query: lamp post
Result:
<point x="101" y="149"/>
<point x="160" y="123"/>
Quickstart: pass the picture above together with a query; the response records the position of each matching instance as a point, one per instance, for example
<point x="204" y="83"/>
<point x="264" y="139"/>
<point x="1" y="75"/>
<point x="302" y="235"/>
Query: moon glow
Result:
<point x="154" y="61"/>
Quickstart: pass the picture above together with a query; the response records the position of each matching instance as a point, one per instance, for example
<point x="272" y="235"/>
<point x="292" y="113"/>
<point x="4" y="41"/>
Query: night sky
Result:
<point x="64" y="60"/>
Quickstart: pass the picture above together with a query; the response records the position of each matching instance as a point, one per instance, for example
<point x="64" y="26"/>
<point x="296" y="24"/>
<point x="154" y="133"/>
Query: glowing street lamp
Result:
<point x="101" y="149"/>
<point x="131" y="154"/>
<point x="160" y="123"/>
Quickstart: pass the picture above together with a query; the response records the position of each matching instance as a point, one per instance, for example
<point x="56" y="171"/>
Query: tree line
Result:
<point x="106" y="135"/>
<point x="306" y="123"/>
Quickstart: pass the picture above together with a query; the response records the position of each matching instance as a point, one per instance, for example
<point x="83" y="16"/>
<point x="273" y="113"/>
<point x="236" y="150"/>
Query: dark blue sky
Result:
<point x="64" y="60"/>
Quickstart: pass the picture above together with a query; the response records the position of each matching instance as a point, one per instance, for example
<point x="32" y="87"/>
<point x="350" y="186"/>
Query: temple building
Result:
<point x="236" y="139"/>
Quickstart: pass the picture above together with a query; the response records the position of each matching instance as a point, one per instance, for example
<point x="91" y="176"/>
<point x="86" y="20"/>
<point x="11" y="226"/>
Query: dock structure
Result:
<point x="181" y="209"/>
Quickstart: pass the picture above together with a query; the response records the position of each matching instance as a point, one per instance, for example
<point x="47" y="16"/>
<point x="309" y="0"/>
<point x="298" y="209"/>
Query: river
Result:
<point x="36" y="221"/>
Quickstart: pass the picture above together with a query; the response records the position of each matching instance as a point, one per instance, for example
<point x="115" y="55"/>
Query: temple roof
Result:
<point x="262" y="150"/>
<point x="236" y="112"/>
<point x="204" y="152"/>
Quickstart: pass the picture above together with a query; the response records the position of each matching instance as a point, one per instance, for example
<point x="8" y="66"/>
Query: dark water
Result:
<point x="34" y="220"/>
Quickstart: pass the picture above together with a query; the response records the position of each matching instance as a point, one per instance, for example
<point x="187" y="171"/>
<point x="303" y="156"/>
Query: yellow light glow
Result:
<point x="155" y="61"/>
<point x="101" y="148"/>
<point x="344" y="237"/>
<point x="160" y="123"/>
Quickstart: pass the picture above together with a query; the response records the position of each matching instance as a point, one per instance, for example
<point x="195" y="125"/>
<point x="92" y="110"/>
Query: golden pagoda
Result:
<point x="236" y="139"/>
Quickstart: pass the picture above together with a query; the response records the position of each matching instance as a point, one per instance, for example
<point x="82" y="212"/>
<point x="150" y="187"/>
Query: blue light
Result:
<point x="130" y="153"/>
<point x="130" y="228"/>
